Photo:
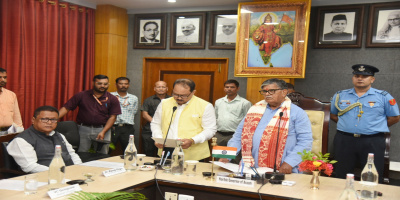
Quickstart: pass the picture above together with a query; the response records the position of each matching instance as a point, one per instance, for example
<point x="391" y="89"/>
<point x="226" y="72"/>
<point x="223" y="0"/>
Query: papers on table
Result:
<point x="235" y="168"/>
<point x="17" y="185"/>
<point x="103" y="164"/>
<point x="168" y="143"/>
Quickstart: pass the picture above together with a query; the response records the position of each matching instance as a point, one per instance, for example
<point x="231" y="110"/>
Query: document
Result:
<point x="103" y="164"/>
<point x="18" y="185"/>
<point x="168" y="143"/>
<point x="235" y="168"/>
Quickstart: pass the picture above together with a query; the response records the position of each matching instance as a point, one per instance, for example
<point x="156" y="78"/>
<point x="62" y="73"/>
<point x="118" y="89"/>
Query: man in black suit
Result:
<point x="150" y="32"/>
<point x="338" y="24"/>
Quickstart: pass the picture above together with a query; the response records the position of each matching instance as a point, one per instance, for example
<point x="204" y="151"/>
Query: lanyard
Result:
<point x="98" y="101"/>
<point x="124" y="104"/>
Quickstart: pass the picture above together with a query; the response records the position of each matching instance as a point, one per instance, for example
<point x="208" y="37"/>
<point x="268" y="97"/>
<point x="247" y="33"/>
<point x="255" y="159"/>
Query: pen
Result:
<point x="162" y="156"/>
<point x="166" y="158"/>
<point x="241" y="172"/>
<point x="255" y="171"/>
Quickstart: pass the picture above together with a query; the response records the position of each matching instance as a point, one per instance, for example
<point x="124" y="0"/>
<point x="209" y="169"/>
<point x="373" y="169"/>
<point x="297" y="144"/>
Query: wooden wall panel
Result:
<point x="111" y="42"/>
<point x="253" y="86"/>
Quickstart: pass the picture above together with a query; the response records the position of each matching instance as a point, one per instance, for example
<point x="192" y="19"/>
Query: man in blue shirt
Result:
<point x="362" y="114"/>
<point x="295" y="120"/>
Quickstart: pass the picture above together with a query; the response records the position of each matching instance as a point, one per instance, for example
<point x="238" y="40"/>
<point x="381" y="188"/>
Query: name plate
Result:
<point x="64" y="191"/>
<point x="112" y="172"/>
<point x="235" y="181"/>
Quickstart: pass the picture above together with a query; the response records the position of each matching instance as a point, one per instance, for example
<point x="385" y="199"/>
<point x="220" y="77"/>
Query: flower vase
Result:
<point x="314" y="183"/>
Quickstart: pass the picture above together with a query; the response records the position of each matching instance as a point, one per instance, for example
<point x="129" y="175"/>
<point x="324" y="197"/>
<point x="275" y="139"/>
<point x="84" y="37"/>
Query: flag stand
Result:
<point x="213" y="144"/>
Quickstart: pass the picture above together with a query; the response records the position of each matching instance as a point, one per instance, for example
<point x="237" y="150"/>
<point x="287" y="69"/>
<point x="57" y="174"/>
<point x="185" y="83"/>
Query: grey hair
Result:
<point x="280" y="83"/>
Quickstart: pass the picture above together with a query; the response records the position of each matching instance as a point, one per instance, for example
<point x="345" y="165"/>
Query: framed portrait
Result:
<point x="339" y="27"/>
<point x="384" y="25"/>
<point x="272" y="39"/>
<point x="188" y="30"/>
<point x="223" y="30"/>
<point x="150" y="31"/>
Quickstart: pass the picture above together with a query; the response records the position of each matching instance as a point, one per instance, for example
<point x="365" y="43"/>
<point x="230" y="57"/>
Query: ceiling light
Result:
<point x="171" y="1"/>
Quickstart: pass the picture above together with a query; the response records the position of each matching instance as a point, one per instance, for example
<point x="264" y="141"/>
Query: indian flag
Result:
<point x="224" y="152"/>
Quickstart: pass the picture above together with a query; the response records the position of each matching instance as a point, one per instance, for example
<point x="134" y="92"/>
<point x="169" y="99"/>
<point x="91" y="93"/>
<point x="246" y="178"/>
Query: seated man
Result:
<point x="256" y="134"/>
<point x="33" y="149"/>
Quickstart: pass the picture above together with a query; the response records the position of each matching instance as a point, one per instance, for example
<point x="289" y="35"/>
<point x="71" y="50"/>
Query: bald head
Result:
<point x="160" y="87"/>
<point x="394" y="18"/>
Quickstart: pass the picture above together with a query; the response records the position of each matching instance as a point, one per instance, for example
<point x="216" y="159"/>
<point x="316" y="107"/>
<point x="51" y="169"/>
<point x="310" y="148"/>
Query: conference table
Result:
<point x="197" y="186"/>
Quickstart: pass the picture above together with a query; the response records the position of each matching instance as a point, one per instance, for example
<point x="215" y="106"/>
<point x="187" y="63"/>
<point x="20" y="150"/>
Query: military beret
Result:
<point x="339" y="17"/>
<point x="363" y="69"/>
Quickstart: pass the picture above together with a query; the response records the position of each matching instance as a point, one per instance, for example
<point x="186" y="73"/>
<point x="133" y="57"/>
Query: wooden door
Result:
<point x="209" y="74"/>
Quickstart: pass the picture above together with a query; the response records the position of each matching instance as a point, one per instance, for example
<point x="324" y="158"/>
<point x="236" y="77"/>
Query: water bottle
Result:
<point x="349" y="193"/>
<point x="57" y="170"/>
<point x="177" y="159"/>
<point x="130" y="155"/>
<point x="369" y="179"/>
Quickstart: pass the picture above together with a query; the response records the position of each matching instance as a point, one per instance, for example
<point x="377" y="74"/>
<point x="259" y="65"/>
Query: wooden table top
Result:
<point x="329" y="188"/>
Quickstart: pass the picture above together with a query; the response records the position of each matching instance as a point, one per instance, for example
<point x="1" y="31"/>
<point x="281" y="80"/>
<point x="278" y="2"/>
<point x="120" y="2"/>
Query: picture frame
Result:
<point x="382" y="17"/>
<point x="155" y="35"/>
<point x="188" y="30"/>
<point x="279" y="54"/>
<point x="223" y="30"/>
<point x="339" y="26"/>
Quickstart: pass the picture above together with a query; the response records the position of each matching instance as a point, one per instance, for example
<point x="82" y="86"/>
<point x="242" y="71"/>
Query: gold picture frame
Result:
<point x="272" y="39"/>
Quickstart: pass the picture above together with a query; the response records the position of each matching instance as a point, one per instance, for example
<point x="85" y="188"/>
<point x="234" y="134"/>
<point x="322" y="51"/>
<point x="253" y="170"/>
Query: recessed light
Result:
<point x="171" y="1"/>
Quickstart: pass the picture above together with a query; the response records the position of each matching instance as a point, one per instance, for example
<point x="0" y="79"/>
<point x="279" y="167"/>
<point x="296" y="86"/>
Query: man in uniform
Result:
<point x="9" y="114"/>
<point x="123" y="126"/>
<point x="148" y="109"/>
<point x="362" y="114"/>
<point x="193" y="122"/>
<point x="98" y="110"/>
<point x="229" y="111"/>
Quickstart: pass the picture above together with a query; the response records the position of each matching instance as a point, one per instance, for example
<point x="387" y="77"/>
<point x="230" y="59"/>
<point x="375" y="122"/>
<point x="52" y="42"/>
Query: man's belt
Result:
<point x="226" y="133"/>
<point x="122" y="125"/>
<point x="5" y="128"/>
<point x="92" y="126"/>
<point x="361" y="135"/>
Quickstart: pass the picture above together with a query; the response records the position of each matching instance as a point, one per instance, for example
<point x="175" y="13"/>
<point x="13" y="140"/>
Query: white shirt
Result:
<point x="230" y="113"/>
<point x="208" y="123"/>
<point x="223" y="38"/>
<point x="25" y="155"/>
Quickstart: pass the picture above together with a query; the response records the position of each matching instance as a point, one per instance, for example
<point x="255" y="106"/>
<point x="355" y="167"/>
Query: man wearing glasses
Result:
<point x="98" y="110"/>
<point x="193" y="121"/>
<point x="256" y="135"/>
<point x="33" y="149"/>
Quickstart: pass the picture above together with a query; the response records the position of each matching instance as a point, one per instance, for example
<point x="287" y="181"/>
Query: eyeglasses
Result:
<point x="45" y="120"/>
<point x="181" y="96"/>
<point x="394" y="19"/>
<point x="271" y="91"/>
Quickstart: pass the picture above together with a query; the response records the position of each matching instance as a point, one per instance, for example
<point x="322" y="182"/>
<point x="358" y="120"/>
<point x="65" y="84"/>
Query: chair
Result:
<point x="9" y="167"/>
<point x="319" y="114"/>
<point x="71" y="132"/>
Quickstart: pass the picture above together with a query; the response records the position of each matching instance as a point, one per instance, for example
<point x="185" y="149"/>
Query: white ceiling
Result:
<point x="160" y="6"/>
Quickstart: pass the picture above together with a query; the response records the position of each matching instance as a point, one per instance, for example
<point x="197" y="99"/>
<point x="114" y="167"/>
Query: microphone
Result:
<point x="169" y="126"/>
<point x="165" y="139"/>
<point x="276" y="177"/>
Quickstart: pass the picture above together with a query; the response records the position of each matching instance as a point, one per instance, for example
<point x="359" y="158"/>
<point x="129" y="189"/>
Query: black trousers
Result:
<point x="148" y="144"/>
<point x="121" y="134"/>
<point x="352" y="152"/>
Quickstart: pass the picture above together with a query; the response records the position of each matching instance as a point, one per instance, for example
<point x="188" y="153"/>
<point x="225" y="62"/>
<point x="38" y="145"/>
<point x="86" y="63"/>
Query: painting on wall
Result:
<point x="150" y="31"/>
<point x="223" y="28"/>
<point x="339" y="27"/>
<point x="272" y="39"/>
<point x="384" y="25"/>
<point x="188" y="30"/>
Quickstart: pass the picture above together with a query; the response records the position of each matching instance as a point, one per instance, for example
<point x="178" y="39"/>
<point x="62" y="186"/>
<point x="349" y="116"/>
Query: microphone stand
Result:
<point x="165" y="140"/>
<point x="276" y="177"/>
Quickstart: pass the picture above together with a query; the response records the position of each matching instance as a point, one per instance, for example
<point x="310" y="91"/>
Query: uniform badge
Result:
<point x="392" y="102"/>
<point x="371" y="103"/>
<point x="361" y="68"/>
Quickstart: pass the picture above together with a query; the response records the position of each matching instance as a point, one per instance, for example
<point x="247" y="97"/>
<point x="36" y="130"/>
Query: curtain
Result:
<point x="47" y="48"/>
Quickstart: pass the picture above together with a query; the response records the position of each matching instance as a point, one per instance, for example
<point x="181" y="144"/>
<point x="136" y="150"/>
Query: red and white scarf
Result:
<point x="266" y="152"/>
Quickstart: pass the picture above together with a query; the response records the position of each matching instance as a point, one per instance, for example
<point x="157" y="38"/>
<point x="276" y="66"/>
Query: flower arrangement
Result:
<point x="319" y="162"/>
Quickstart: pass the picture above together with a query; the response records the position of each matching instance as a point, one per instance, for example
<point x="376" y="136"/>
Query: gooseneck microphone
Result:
<point x="169" y="126"/>
<point x="276" y="177"/>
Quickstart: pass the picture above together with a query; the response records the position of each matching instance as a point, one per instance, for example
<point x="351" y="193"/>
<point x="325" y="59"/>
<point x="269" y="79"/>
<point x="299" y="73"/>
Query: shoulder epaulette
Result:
<point x="383" y="92"/>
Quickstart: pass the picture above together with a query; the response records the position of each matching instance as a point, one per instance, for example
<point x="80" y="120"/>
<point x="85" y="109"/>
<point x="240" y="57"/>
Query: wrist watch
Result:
<point x="192" y="141"/>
